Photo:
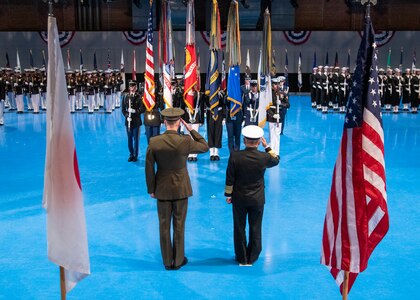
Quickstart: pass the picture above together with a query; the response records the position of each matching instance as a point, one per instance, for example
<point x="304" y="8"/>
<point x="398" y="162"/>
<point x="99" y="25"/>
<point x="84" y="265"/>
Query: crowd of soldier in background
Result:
<point x="91" y="90"/>
<point x="330" y="88"/>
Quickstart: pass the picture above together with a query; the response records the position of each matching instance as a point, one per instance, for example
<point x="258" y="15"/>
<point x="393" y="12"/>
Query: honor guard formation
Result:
<point x="330" y="88"/>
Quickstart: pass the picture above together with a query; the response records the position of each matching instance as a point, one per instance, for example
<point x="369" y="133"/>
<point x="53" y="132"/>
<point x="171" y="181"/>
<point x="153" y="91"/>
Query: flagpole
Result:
<point x="62" y="283"/>
<point x="345" y="285"/>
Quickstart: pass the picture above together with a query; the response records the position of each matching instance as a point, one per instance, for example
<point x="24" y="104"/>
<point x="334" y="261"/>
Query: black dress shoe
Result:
<point x="134" y="159"/>
<point x="130" y="158"/>
<point x="169" y="268"/>
<point x="216" y="157"/>
<point x="189" y="158"/>
<point x="212" y="157"/>
<point x="194" y="158"/>
<point x="184" y="262"/>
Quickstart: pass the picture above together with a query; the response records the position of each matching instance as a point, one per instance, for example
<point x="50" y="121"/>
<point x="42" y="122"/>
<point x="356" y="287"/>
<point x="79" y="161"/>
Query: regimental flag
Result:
<point x="18" y="67"/>
<point x="68" y="59"/>
<point x="63" y="198"/>
<point x="234" y="90"/>
<point x="108" y="59"/>
<point x="413" y="65"/>
<point x="149" y="75"/>
<point x="7" y="60"/>
<point x="300" y="82"/>
<point x="123" y="85"/>
<point x="314" y="61"/>
<point x="388" y="61"/>
<point x="44" y="60"/>
<point x="401" y="59"/>
<point x="264" y="71"/>
<point x="212" y="78"/>
<point x="223" y="76"/>
<point x="134" y="72"/>
<point x="81" y="61"/>
<point x="357" y="214"/>
<point x="326" y="59"/>
<point x="190" y="76"/>
<point x="247" y="64"/>
<point x="348" y="60"/>
<point x="233" y="46"/>
<point x="31" y="59"/>
<point x="166" y="52"/>
<point x="286" y="71"/>
<point x="213" y="83"/>
<point x="167" y="88"/>
<point x="273" y="64"/>
<point x="95" y="64"/>
<point x="336" y="59"/>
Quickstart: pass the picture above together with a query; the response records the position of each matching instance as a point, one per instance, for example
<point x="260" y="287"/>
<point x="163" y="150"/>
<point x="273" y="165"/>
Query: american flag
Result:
<point x="149" y="76"/>
<point x="357" y="215"/>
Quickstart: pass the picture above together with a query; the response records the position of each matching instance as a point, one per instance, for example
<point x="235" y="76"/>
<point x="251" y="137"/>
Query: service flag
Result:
<point x="149" y="75"/>
<point x="357" y="216"/>
<point x="134" y="71"/>
<point x="63" y="198"/>
<point x="300" y="82"/>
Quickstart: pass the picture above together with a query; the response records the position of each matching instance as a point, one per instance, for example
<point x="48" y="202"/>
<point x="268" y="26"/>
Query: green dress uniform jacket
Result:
<point x="169" y="152"/>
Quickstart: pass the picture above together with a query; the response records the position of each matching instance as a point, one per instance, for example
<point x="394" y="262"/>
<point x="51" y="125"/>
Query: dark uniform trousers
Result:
<point x="175" y="210"/>
<point x="247" y="253"/>
<point x="245" y="184"/>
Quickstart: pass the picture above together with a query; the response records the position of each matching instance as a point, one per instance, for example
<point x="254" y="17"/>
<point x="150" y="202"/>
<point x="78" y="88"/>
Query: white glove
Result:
<point x="31" y="84"/>
<point x="132" y="110"/>
<point x="105" y="86"/>
<point x="243" y="124"/>
<point x="223" y="122"/>
<point x="88" y="84"/>
<point x="68" y="86"/>
<point x="276" y="116"/>
<point x="7" y="82"/>
<point x="128" y="119"/>
<point x="15" y="84"/>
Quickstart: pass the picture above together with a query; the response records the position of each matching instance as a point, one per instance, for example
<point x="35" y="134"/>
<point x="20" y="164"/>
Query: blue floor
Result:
<point x="123" y="227"/>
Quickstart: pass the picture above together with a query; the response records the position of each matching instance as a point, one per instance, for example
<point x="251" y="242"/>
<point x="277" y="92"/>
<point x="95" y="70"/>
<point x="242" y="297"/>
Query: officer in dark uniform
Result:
<point x="152" y="118"/>
<point x="344" y="89"/>
<point x="245" y="190"/>
<point x="215" y="125"/>
<point x="195" y="119"/>
<point x="398" y="90"/>
<point x="406" y="99"/>
<point x="132" y="108"/>
<point x="170" y="183"/>
<point x="312" y="81"/>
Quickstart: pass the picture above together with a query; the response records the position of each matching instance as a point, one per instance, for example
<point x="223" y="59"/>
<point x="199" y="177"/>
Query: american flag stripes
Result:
<point x="149" y="76"/>
<point x="357" y="214"/>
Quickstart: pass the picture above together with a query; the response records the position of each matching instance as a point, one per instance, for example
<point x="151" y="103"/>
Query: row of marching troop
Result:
<point x="91" y="90"/>
<point x="330" y="87"/>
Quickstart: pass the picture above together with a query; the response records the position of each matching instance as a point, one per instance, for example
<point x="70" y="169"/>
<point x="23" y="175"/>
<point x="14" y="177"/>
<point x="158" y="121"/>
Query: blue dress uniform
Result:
<point x="132" y="108"/>
<point x="245" y="186"/>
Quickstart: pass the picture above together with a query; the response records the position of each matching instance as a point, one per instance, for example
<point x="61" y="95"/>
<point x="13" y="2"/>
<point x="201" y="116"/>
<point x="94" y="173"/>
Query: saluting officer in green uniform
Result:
<point x="170" y="183"/>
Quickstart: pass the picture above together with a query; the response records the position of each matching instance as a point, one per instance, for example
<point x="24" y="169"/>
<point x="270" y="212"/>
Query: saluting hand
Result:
<point x="188" y="127"/>
<point x="264" y="142"/>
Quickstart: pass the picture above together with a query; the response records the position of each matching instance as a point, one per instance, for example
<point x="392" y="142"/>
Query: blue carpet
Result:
<point x="123" y="226"/>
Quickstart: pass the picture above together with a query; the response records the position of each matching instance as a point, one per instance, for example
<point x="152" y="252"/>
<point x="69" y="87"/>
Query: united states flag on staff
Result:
<point x="357" y="214"/>
<point x="149" y="76"/>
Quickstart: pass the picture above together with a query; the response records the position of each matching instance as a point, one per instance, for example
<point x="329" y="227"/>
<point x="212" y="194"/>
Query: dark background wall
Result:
<point x="31" y="15"/>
